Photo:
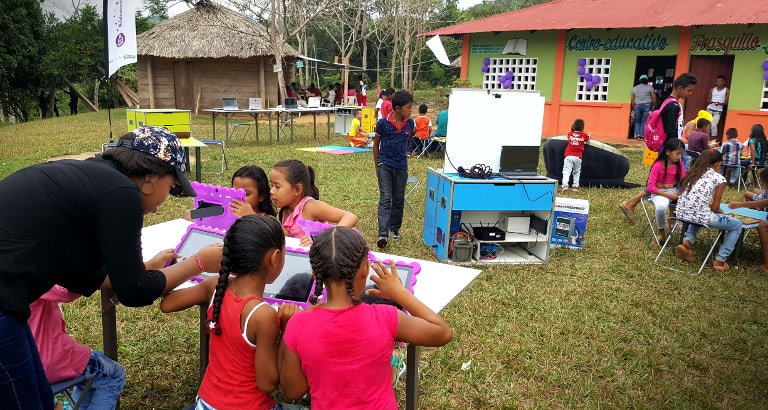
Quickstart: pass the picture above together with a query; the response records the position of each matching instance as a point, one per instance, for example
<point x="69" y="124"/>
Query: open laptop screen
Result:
<point x="519" y="159"/>
<point x="229" y="103"/>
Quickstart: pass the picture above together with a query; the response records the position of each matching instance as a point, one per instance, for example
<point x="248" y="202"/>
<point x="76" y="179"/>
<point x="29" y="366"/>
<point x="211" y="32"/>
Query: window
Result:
<point x="524" y="69"/>
<point x="594" y="67"/>
<point x="764" y="97"/>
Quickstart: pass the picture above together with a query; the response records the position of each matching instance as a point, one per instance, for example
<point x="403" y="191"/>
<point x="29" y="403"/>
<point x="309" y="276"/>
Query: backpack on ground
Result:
<point x="654" y="128"/>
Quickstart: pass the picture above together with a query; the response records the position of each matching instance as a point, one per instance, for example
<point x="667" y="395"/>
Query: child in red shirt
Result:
<point x="573" y="152"/>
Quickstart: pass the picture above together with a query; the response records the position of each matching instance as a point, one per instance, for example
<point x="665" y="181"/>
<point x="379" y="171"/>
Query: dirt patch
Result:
<point x="82" y="156"/>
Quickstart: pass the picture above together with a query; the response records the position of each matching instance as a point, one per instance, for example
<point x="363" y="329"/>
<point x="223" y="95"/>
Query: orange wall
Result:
<point x="743" y="121"/>
<point x="613" y="119"/>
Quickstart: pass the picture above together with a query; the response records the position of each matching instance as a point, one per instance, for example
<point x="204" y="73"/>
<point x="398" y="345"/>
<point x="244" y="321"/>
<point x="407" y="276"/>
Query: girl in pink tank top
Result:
<point x="244" y="329"/>
<point x="294" y="193"/>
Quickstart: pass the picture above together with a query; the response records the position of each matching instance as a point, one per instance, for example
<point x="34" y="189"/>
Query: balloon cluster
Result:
<point x="590" y="79"/>
<point x="765" y="70"/>
<point x="505" y="80"/>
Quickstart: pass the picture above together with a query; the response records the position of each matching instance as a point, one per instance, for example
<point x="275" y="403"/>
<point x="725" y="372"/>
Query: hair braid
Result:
<point x="221" y="285"/>
<point x="335" y="256"/>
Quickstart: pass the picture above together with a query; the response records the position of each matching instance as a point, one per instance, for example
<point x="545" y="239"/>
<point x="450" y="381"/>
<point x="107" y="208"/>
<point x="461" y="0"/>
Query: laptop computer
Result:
<point x="229" y="103"/>
<point x="519" y="161"/>
<point x="313" y="102"/>
<point x="254" y="103"/>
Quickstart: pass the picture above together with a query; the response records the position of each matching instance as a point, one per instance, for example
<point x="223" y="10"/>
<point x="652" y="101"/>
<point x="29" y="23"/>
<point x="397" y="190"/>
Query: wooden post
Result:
<point x="150" y="82"/>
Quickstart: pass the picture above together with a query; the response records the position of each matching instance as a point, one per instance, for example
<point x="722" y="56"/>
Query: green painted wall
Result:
<point x="541" y="45"/>
<point x="746" y="83"/>
<point x="598" y="44"/>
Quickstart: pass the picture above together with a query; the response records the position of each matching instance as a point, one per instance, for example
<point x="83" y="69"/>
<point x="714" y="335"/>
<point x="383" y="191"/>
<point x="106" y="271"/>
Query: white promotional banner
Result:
<point x="438" y="50"/>
<point x="120" y="33"/>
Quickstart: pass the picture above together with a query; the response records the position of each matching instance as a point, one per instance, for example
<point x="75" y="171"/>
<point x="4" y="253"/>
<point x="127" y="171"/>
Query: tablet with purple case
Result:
<point x="214" y="195"/>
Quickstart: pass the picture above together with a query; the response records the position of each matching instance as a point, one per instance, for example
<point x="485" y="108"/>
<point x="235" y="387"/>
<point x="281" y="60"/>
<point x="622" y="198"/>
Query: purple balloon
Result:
<point x="581" y="70"/>
<point x="589" y="85"/>
<point x="487" y="61"/>
<point x="511" y="75"/>
<point x="588" y="77"/>
<point x="596" y="79"/>
<point x="508" y="84"/>
<point x="582" y="62"/>
<point x="501" y="79"/>
<point x="765" y="65"/>
<point x="765" y="75"/>
<point x="484" y="68"/>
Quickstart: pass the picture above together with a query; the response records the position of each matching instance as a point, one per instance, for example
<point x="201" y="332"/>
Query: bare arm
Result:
<point x="423" y="327"/>
<point x="322" y="211"/>
<point x="188" y="297"/>
<point x="264" y="333"/>
<point x="176" y="274"/>
<point x="717" y="198"/>
<point x="292" y="379"/>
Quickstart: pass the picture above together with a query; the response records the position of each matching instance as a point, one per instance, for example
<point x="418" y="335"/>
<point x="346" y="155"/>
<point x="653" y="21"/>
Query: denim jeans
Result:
<point x="571" y="164"/>
<point x="108" y="382"/>
<point x="729" y="224"/>
<point x="641" y="115"/>
<point x="23" y="384"/>
<point x="392" y="183"/>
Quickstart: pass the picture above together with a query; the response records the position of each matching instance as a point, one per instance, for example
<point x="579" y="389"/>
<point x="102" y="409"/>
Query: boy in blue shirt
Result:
<point x="389" y="154"/>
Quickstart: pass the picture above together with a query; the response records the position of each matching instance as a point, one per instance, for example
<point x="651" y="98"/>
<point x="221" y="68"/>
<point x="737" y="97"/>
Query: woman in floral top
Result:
<point x="700" y="194"/>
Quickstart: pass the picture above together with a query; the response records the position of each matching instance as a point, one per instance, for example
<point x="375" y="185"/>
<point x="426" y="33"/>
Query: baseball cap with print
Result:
<point x="163" y="144"/>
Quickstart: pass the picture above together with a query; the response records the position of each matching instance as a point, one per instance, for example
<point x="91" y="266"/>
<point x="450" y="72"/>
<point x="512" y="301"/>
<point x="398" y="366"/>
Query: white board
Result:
<point x="481" y="121"/>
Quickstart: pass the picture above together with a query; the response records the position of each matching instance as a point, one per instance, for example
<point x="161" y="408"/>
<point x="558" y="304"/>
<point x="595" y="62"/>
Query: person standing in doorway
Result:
<point x="643" y="101"/>
<point x="717" y="99"/>
<point x="72" y="101"/>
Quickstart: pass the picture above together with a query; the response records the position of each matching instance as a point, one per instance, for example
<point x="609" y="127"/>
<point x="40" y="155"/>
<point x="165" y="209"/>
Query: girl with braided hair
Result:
<point x="345" y="363"/>
<point x="295" y="195"/>
<point x="244" y="329"/>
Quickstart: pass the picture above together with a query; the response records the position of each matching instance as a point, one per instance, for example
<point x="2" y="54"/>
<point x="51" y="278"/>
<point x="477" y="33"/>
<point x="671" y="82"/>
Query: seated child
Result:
<point x="757" y="200"/>
<point x="664" y="181"/>
<point x="245" y="330"/>
<point x="698" y="140"/>
<point x="64" y="358"/>
<point x="732" y="155"/>
<point x="295" y="195"/>
<point x="422" y="132"/>
<point x="701" y="192"/>
<point x="357" y="138"/>
<point x="346" y="362"/>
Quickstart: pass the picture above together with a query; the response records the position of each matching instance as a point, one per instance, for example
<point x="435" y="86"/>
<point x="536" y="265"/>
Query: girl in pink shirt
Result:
<point x="664" y="182"/>
<point x="295" y="195"/>
<point x="340" y="351"/>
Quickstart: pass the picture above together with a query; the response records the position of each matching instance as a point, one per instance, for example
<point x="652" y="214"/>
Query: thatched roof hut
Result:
<point x="198" y="57"/>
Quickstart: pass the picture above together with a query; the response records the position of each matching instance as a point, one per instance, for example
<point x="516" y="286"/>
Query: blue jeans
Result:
<point x="108" y="382"/>
<point x="641" y="115"/>
<point x="392" y="183"/>
<point x="732" y="228"/>
<point x="23" y="384"/>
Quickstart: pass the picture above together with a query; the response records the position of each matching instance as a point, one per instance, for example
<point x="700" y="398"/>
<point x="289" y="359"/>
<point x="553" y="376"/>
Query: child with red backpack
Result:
<point x="671" y="117"/>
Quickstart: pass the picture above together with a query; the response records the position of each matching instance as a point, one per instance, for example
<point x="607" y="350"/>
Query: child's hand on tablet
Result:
<point x="305" y="241"/>
<point x="285" y="312"/>
<point x="387" y="280"/>
<point x="210" y="256"/>
<point x="240" y="208"/>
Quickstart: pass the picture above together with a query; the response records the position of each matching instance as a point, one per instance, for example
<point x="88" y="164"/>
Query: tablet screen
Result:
<point x="196" y="240"/>
<point x="295" y="281"/>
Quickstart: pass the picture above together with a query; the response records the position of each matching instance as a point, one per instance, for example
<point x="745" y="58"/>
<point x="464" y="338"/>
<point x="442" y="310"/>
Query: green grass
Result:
<point x="601" y="327"/>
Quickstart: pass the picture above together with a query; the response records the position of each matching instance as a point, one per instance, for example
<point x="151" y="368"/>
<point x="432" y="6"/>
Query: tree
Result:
<point x="22" y="46"/>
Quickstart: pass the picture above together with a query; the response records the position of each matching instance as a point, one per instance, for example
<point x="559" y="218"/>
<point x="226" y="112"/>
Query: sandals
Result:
<point x="684" y="253"/>
<point x="720" y="268"/>
<point x="629" y="214"/>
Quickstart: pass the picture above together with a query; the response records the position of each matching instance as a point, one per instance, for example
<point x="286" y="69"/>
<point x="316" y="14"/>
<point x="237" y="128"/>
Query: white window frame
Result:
<point x="596" y="66"/>
<point x="764" y="96"/>
<point x="525" y="69"/>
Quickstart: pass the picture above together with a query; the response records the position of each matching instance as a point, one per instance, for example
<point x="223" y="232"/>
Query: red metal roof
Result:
<point x="584" y="14"/>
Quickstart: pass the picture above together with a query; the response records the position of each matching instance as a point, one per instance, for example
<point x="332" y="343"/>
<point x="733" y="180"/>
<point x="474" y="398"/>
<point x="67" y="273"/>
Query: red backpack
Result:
<point x="654" y="128"/>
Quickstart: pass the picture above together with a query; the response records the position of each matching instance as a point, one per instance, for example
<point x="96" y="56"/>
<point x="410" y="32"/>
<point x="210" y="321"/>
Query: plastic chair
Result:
<point x="65" y="386"/>
<point x="415" y="183"/>
<point x="348" y="100"/>
<point x="683" y="225"/>
<point x="223" y="157"/>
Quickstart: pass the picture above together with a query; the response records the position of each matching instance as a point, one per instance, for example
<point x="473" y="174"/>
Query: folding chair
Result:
<point x="106" y="145"/>
<point x="65" y="386"/>
<point x="683" y="225"/>
<point x="733" y="168"/>
<point x="236" y="125"/>
<point x="439" y="143"/>
<point x="415" y="181"/>
<point x="755" y="183"/>
<point x="419" y="146"/>
<point x="223" y="157"/>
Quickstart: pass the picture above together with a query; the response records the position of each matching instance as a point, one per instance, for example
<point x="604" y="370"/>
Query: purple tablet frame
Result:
<point x="214" y="194"/>
<point x="305" y="303"/>
<point x="193" y="227"/>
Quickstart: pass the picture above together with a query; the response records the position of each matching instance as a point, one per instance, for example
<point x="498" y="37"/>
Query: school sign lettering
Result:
<point x="726" y="44"/>
<point x="619" y="42"/>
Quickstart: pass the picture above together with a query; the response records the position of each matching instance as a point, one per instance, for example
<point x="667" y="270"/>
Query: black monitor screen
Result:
<point x="519" y="159"/>
<point x="295" y="281"/>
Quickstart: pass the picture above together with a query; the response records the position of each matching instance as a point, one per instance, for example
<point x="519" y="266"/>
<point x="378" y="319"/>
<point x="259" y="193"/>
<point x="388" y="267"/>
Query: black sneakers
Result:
<point x="381" y="242"/>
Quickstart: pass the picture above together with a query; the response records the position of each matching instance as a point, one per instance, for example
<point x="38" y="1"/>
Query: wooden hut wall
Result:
<point x="202" y="83"/>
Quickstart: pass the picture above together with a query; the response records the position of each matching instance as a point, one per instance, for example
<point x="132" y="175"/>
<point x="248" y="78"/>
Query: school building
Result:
<point x="585" y="57"/>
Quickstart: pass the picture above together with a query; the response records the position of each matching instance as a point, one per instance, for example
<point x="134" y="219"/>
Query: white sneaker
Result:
<point x="565" y="188"/>
<point x="574" y="188"/>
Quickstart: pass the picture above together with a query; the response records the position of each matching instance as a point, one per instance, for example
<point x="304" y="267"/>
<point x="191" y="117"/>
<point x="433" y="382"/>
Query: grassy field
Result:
<point x="602" y="327"/>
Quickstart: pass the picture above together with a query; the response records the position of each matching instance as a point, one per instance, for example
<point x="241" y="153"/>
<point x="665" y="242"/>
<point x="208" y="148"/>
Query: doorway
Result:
<point x="660" y="71"/>
<point x="706" y="69"/>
